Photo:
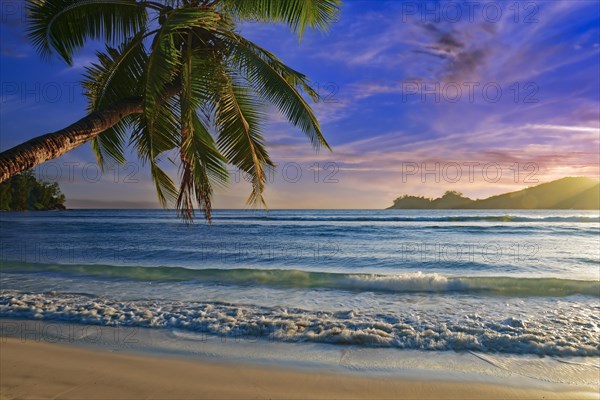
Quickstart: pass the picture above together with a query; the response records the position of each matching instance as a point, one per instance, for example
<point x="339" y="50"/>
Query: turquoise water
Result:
<point x="517" y="282"/>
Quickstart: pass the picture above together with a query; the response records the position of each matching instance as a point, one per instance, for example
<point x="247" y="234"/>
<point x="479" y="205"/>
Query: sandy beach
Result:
<point x="43" y="370"/>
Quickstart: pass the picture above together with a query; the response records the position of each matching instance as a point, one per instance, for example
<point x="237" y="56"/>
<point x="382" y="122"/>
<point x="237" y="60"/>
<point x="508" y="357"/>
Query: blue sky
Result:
<point x="418" y="97"/>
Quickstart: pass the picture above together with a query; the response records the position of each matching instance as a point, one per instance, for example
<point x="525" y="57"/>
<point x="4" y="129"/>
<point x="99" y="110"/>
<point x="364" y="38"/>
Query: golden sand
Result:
<point x="41" y="370"/>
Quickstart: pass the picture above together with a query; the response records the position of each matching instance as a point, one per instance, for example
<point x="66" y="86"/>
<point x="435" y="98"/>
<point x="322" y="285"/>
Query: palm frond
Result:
<point x="116" y="76"/>
<point x="276" y="84"/>
<point x="164" y="134"/>
<point x="238" y="117"/>
<point x="164" y="63"/>
<point x="195" y="151"/>
<point x="162" y="129"/>
<point x="150" y="148"/>
<point x="297" y="14"/>
<point x="109" y="146"/>
<point x="165" y="188"/>
<point x="202" y="165"/>
<point x="63" y="26"/>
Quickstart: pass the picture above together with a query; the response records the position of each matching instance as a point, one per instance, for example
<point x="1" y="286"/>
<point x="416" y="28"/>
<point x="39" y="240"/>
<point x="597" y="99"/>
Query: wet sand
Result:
<point x="30" y="369"/>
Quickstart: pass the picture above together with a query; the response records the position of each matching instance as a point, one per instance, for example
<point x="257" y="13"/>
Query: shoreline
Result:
<point x="44" y="359"/>
<point x="44" y="370"/>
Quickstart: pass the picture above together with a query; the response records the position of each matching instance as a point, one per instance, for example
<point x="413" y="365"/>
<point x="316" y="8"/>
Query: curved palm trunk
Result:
<point x="52" y="145"/>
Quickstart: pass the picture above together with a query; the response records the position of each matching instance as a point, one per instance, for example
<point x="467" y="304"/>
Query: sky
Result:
<point x="482" y="97"/>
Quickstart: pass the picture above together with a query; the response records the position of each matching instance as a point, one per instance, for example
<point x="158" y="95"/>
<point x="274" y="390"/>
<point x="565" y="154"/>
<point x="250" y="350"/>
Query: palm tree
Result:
<point x="176" y="77"/>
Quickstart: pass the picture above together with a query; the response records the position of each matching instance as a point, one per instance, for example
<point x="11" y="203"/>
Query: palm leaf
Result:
<point x="65" y="25"/>
<point x="164" y="65"/>
<point x="238" y="116"/>
<point x="297" y="14"/>
<point x="149" y="150"/>
<point x="275" y="84"/>
<point x="117" y="75"/>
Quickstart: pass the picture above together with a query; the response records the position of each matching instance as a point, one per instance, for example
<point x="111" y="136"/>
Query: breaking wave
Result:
<point x="555" y="334"/>
<point x="289" y="278"/>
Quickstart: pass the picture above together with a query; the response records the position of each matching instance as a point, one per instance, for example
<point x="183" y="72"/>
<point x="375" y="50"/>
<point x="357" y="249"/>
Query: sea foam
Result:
<point x="554" y="335"/>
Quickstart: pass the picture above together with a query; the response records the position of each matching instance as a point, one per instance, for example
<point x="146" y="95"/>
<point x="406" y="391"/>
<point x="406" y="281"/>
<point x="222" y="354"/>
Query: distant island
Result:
<point x="23" y="192"/>
<point x="577" y="193"/>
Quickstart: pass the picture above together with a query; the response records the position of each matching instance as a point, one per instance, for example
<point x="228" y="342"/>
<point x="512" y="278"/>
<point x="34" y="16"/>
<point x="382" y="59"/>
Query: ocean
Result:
<point x="490" y="282"/>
